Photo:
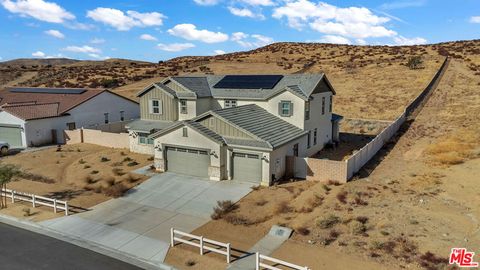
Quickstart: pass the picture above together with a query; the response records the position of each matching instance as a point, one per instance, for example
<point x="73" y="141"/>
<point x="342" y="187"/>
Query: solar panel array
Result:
<point x="248" y="81"/>
<point x="71" y="91"/>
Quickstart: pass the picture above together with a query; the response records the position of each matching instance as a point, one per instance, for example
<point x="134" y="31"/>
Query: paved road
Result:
<point x="23" y="250"/>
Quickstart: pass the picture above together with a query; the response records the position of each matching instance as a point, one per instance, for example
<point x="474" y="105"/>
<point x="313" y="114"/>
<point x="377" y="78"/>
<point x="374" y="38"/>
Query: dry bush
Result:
<point x="302" y="230"/>
<point x="36" y="177"/>
<point x="238" y="220"/>
<point x="130" y="178"/>
<point x="223" y="208"/>
<point x="454" y="149"/>
<point x="328" y="222"/>
<point x="117" y="190"/>
<point x="118" y="171"/>
<point x="190" y="262"/>
<point x="282" y="208"/>
<point x="89" y="180"/>
<point x="342" y="196"/>
<point x="261" y="202"/>
<point x="432" y="261"/>
<point x="357" y="228"/>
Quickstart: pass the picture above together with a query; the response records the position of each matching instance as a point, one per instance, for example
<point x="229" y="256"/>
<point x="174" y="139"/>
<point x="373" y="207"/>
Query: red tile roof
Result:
<point x="28" y="106"/>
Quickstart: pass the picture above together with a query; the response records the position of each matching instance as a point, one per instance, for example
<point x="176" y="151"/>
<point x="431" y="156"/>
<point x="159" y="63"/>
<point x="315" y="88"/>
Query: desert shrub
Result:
<point x="81" y="161"/>
<point x="36" y="177"/>
<point x="455" y="148"/>
<point x="130" y="178"/>
<point x="342" y="196"/>
<point x="223" y="208"/>
<point x="87" y="167"/>
<point x="326" y="188"/>
<point x="127" y="159"/>
<point x="261" y="202"/>
<point x="362" y="219"/>
<point x="110" y="181"/>
<point x="89" y="180"/>
<point x="237" y="220"/>
<point x="151" y="158"/>
<point x="432" y="261"/>
<point x="190" y="262"/>
<point x="282" y="208"/>
<point x="414" y="62"/>
<point x="328" y="222"/>
<point x="357" y="228"/>
<point x="117" y="190"/>
<point x="94" y="172"/>
<point x="133" y="163"/>
<point x="26" y="212"/>
<point x="118" y="171"/>
<point x="104" y="159"/>
<point x="123" y="153"/>
<point x="302" y="230"/>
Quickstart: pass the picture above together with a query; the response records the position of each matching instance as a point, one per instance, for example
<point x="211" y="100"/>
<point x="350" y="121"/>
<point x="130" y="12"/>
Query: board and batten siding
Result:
<point x="223" y="128"/>
<point x="169" y="106"/>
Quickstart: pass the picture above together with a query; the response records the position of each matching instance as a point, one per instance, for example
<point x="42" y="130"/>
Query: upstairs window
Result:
<point x="106" y="118"/>
<point x="285" y="108"/>
<point x="155" y="106"/>
<point x="230" y="103"/>
<point x="307" y="110"/>
<point x="331" y="104"/>
<point x="183" y="106"/>
<point x="185" y="132"/>
<point x="323" y="105"/>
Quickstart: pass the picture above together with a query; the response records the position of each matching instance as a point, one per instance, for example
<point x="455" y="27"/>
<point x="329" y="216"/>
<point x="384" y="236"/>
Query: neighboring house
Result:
<point x="38" y="116"/>
<point x="235" y="126"/>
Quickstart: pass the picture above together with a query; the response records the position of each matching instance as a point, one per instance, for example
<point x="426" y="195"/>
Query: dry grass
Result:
<point x="455" y="148"/>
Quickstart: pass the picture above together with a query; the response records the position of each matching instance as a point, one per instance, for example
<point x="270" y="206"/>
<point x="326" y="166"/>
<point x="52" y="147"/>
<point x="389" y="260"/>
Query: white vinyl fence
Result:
<point x="215" y="246"/>
<point x="57" y="205"/>
<point x="260" y="259"/>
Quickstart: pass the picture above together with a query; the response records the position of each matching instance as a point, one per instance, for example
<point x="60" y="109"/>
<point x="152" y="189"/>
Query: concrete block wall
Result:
<point x="326" y="170"/>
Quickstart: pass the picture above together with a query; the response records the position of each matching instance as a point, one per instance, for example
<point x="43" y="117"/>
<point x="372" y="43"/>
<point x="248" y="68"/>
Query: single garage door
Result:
<point x="188" y="161"/>
<point x="247" y="167"/>
<point x="11" y="135"/>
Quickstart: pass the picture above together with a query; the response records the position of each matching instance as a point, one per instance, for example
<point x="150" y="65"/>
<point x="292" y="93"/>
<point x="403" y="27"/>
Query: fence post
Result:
<point x="13" y="196"/>
<point x="172" y="235"/>
<point x="228" y="252"/>
<point x="33" y="200"/>
<point x="55" y="205"/>
<point x="257" y="261"/>
<point x="66" y="208"/>
<point x="201" y="245"/>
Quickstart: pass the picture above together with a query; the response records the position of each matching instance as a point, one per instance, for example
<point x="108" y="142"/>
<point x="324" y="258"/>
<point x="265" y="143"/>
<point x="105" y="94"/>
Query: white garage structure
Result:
<point x="38" y="116"/>
<point x="244" y="143"/>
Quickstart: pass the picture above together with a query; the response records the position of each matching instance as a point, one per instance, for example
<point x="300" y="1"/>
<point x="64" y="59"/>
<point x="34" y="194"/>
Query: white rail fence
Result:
<point x="261" y="258"/>
<point x="201" y="242"/>
<point x="57" y="205"/>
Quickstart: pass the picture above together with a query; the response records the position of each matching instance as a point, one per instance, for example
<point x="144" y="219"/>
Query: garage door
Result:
<point x="188" y="161"/>
<point x="247" y="167"/>
<point x="11" y="135"/>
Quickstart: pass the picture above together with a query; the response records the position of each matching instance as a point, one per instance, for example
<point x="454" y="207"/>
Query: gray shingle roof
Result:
<point x="148" y="125"/>
<point x="198" y="85"/>
<point x="194" y="125"/>
<point x="261" y="124"/>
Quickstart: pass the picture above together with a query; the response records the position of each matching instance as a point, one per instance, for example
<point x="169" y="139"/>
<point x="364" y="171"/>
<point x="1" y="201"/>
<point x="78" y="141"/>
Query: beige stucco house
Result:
<point x="238" y="127"/>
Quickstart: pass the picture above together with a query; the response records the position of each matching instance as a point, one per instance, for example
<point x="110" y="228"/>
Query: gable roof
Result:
<point x="195" y="126"/>
<point x="302" y="85"/>
<point x="36" y="102"/>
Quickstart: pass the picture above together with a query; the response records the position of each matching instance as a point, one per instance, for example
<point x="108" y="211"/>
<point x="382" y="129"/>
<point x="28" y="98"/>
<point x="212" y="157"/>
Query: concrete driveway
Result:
<point x="139" y="223"/>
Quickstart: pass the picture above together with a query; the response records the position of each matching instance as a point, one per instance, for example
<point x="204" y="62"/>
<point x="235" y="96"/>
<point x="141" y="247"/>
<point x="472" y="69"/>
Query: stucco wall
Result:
<point x="39" y="132"/>
<point x="6" y="118"/>
<point x="91" y="113"/>
<point x="114" y="140"/>
<point x="278" y="156"/>
<point x="191" y="109"/>
<point x="194" y="140"/>
<point x="323" y="122"/>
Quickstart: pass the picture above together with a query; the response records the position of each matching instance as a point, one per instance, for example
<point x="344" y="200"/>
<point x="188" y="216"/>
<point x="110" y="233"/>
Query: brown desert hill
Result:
<point x="38" y="62"/>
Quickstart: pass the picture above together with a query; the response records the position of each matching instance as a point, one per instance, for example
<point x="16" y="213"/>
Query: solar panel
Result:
<point x="72" y="91"/>
<point x="248" y="81"/>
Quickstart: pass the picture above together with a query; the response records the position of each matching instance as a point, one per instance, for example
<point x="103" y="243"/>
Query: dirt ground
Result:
<point x="406" y="209"/>
<point x="83" y="174"/>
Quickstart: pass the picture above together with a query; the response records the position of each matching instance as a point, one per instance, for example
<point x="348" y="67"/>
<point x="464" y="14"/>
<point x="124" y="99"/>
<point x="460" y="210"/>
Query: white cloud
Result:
<point x="355" y="22"/>
<point x="175" y="47"/>
<point x="245" y="12"/>
<point x="219" y="52"/>
<point x="251" y="41"/>
<point x="55" y="33"/>
<point x="334" y="39"/>
<point x="38" y="9"/>
<point x="400" y="40"/>
<point x="97" y="41"/>
<point x="190" y="32"/>
<point x="97" y="56"/>
<point x="148" y="37"/>
<point x="125" y="21"/>
<point x="258" y="2"/>
<point x="39" y="54"/>
<point x="403" y="4"/>
<point x="207" y="2"/>
<point x="475" y="19"/>
<point x="82" y="49"/>
<point x="360" y="41"/>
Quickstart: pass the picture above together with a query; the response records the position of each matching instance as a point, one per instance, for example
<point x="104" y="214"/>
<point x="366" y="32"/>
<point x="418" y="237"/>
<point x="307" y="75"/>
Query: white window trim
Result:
<point x="182" y="107"/>
<point x="323" y="105"/>
<point x="160" y="106"/>
<point x="290" y="113"/>
<point x="230" y="103"/>
<point x="307" y="110"/>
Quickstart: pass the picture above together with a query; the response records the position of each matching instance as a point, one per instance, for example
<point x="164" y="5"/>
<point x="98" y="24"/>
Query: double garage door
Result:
<point x="11" y="135"/>
<point x="247" y="167"/>
<point x="188" y="161"/>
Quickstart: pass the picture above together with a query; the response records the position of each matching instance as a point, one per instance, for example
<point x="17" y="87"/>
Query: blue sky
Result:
<point x="155" y="30"/>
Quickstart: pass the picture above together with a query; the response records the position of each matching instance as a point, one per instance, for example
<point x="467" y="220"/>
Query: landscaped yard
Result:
<point x="82" y="174"/>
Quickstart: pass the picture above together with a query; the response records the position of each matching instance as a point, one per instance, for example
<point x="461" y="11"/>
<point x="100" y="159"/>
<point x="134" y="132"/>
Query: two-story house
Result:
<point x="234" y="126"/>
